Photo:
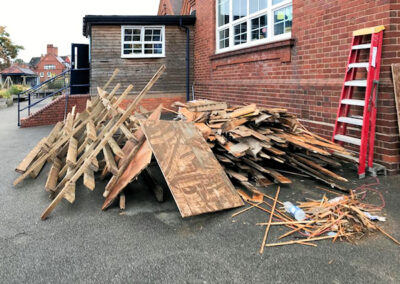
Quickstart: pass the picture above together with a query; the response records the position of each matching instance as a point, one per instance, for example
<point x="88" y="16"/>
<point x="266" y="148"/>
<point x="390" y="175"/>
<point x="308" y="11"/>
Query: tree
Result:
<point x="8" y="50"/>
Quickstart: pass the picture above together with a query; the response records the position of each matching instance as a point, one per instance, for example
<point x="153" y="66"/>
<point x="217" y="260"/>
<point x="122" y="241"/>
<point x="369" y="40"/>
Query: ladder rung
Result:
<point x="350" y="120"/>
<point x="348" y="139"/>
<point x="359" y="65"/>
<point x="356" y="83"/>
<point x="353" y="102"/>
<point x="362" y="46"/>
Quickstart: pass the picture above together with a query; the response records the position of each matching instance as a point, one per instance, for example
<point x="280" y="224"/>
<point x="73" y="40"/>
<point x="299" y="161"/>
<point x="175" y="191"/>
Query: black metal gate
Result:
<point x="80" y="69"/>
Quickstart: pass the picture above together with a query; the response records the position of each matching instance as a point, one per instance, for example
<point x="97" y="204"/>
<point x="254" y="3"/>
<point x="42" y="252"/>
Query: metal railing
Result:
<point x="36" y="89"/>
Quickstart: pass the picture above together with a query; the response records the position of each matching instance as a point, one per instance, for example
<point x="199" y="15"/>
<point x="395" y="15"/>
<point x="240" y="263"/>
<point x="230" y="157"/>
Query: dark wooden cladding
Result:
<point x="106" y="56"/>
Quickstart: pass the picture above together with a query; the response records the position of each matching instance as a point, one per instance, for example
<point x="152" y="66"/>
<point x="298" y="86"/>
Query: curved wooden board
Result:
<point x="141" y="160"/>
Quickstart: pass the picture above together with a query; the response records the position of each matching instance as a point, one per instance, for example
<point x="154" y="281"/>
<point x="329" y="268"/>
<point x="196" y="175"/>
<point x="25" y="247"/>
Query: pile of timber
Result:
<point x="262" y="144"/>
<point x="341" y="218"/>
<point x="119" y="145"/>
<point x="74" y="146"/>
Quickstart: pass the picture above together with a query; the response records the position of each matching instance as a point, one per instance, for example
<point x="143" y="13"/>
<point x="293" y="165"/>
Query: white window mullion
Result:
<point x="270" y="18"/>
<point x="142" y="39"/>
<point x="231" y="30"/>
<point x="248" y="22"/>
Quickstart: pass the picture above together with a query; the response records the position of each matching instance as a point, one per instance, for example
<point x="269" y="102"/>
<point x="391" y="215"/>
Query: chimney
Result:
<point x="52" y="50"/>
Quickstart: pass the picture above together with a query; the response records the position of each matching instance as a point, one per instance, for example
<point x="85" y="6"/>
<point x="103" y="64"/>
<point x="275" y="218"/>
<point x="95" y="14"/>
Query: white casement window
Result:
<point x="49" y="67"/>
<point x="48" y="74"/>
<point x="41" y="75"/>
<point x="245" y="23"/>
<point x="142" y="41"/>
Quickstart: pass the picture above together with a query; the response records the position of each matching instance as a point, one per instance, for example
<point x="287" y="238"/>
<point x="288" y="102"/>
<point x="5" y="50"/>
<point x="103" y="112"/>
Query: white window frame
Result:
<point x="41" y="74"/>
<point x="143" y="55"/>
<point x="48" y="74"/>
<point x="269" y="11"/>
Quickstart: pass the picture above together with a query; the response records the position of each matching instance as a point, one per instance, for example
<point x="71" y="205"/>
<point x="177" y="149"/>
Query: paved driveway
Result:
<point x="151" y="243"/>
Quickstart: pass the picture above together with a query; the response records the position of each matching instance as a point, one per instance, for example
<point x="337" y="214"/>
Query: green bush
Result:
<point x="55" y="85"/>
<point x="4" y="93"/>
<point x="16" y="89"/>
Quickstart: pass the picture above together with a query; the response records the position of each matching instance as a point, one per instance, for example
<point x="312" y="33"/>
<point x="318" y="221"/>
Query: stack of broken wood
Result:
<point x="119" y="145"/>
<point x="340" y="218"/>
<point x="74" y="146"/>
<point x="262" y="144"/>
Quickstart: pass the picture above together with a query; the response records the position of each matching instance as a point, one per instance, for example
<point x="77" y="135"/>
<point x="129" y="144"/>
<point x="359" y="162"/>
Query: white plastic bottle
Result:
<point x="295" y="211"/>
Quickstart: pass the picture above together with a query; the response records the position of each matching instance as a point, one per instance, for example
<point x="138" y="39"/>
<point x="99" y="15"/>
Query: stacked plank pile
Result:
<point x="340" y="218"/>
<point x="119" y="145"/>
<point x="257" y="144"/>
<point x="74" y="147"/>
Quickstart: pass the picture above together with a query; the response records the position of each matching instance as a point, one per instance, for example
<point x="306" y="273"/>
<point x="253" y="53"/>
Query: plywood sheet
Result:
<point x="396" y="83"/>
<point x="196" y="179"/>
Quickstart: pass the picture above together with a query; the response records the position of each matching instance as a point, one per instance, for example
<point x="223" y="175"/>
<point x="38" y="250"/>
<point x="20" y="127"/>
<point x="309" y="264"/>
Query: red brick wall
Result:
<point x="307" y="77"/>
<point x="54" y="111"/>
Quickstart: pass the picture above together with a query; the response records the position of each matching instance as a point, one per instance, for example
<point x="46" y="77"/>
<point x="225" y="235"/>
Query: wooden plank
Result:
<point x="122" y="201"/>
<point x="110" y="161"/>
<point x="88" y="179"/>
<point x="23" y="166"/>
<point x="52" y="178"/>
<point x="396" y="83"/>
<point x="115" y="148"/>
<point x="72" y="152"/>
<point x="196" y="179"/>
<point x="91" y="130"/>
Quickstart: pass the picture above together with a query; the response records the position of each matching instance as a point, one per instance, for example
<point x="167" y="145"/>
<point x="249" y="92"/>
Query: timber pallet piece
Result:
<point x="105" y="138"/>
<point x="265" y="144"/>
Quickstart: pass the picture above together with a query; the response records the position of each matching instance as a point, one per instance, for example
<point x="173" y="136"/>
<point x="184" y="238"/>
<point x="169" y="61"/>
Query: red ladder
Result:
<point x="368" y="121"/>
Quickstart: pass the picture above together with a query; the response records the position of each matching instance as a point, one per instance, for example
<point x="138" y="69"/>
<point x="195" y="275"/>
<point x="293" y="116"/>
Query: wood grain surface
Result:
<point x="196" y="179"/>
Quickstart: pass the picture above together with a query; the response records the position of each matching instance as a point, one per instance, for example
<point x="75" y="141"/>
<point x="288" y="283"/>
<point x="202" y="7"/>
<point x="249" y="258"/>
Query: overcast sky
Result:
<point x="34" y="24"/>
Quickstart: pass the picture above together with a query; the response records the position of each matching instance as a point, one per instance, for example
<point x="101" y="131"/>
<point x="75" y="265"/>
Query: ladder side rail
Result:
<point x="365" y="130"/>
<point x="379" y="38"/>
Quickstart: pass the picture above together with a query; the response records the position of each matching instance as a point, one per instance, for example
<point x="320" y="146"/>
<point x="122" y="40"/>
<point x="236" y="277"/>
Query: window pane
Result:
<point x="224" y="38"/>
<point x="259" y="27"/>
<point x="158" y="48"/>
<point x="148" y="49"/>
<point x="152" y="35"/>
<point x="239" y="9"/>
<point x="283" y="20"/>
<point x="240" y="32"/>
<point x="257" y="5"/>
<point x="274" y="2"/>
<point x="223" y="12"/>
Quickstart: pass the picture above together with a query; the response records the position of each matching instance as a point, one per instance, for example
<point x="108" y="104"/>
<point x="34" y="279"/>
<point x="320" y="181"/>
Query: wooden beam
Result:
<point x="23" y="166"/>
<point x="52" y="178"/>
<point x="115" y="148"/>
<point x="88" y="179"/>
<point x="91" y="130"/>
<point x="110" y="161"/>
<point x="72" y="152"/>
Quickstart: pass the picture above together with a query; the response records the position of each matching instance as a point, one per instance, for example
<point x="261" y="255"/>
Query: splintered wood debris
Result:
<point x="340" y="218"/>
<point x="109" y="140"/>
<point x="264" y="144"/>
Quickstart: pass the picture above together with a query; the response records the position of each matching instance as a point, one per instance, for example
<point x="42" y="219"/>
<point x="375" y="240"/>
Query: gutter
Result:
<point x="187" y="59"/>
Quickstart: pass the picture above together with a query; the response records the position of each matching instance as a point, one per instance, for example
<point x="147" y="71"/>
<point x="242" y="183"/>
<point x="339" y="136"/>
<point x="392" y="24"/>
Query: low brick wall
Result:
<point x="54" y="112"/>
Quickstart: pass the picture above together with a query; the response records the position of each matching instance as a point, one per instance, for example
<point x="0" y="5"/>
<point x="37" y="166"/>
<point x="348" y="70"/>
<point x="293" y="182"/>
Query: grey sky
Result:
<point x="34" y="24"/>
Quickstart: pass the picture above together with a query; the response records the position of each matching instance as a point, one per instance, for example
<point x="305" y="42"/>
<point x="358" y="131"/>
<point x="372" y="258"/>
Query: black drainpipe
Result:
<point x="187" y="59"/>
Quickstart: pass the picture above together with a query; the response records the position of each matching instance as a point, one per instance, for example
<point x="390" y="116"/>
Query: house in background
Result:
<point x="19" y="75"/>
<point x="50" y="64"/>
<point x="138" y="46"/>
